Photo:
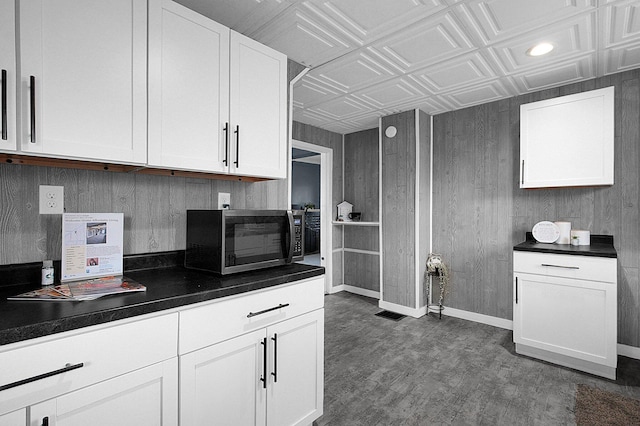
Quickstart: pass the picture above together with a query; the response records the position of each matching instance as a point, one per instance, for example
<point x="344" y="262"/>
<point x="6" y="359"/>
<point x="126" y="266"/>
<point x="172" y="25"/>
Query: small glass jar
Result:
<point x="47" y="272"/>
<point x="575" y="240"/>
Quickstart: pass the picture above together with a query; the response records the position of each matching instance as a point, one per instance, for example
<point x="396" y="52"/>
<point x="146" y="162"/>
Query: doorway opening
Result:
<point x="311" y="190"/>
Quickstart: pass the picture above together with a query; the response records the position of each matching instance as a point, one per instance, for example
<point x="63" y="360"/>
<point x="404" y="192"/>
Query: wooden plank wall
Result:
<point x="307" y="133"/>
<point x="424" y="201"/>
<point x="361" y="177"/>
<point x="361" y="188"/>
<point x="398" y="210"/>
<point x="480" y="213"/>
<point x="153" y="206"/>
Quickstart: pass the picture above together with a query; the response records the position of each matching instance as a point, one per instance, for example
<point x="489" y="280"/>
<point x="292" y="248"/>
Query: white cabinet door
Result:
<point x="297" y="370"/>
<point x="8" y="139"/>
<point x="258" y="109"/>
<point x="568" y="141"/>
<point x="220" y="384"/>
<point x="574" y="318"/>
<point x="143" y="397"/>
<point x="82" y="88"/>
<point x="15" y="418"/>
<point x="188" y="89"/>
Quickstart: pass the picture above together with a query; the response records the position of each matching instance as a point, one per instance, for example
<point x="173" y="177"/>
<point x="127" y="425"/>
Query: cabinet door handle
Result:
<point x="32" y="108"/>
<point x="226" y="144"/>
<point x="560" y="266"/>
<point x="237" y="132"/>
<point x="516" y="290"/>
<point x="275" y="357"/>
<point x="263" y="378"/>
<point x="4" y="105"/>
<point x="253" y="314"/>
<point x="522" y="173"/>
<point x="66" y="368"/>
<point x="45" y="421"/>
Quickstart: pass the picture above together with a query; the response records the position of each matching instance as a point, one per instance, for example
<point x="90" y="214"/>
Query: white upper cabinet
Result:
<point x="217" y="99"/>
<point x="568" y="141"/>
<point x="8" y="76"/>
<point x="188" y="89"/>
<point x="258" y="109"/>
<point x="82" y="86"/>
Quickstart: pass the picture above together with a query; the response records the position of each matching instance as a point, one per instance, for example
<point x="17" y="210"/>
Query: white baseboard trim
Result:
<point x="361" y="291"/>
<point x="404" y="310"/>
<point x="629" y="351"/>
<point x="355" y="290"/>
<point x="481" y="318"/>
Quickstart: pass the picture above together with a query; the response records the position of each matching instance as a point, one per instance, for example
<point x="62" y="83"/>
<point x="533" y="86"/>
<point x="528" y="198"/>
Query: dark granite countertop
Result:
<point x="601" y="246"/>
<point x="167" y="287"/>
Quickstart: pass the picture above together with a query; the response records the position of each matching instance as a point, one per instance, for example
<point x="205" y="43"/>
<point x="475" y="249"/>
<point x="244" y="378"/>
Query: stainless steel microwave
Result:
<point x="230" y="241"/>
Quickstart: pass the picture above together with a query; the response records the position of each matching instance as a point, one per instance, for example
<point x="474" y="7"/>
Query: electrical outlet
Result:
<point x="224" y="200"/>
<point x="51" y="199"/>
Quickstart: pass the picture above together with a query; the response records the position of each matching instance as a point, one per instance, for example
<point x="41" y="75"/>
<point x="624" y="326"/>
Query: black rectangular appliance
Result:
<point x="230" y="241"/>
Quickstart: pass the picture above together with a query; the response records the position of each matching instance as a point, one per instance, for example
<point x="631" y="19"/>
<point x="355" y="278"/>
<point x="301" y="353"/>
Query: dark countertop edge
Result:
<point x="601" y="246"/>
<point x="69" y="323"/>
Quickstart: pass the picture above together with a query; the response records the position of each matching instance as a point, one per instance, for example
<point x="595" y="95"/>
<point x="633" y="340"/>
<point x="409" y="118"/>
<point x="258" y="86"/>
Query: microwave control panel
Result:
<point x="298" y="236"/>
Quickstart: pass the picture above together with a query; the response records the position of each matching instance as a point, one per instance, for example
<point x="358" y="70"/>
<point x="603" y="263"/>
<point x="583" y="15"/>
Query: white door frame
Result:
<point x="326" y="206"/>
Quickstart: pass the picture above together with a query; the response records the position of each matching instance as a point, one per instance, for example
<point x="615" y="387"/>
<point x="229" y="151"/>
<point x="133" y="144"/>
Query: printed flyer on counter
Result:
<point x="82" y="290"/>
<point x="92" y="245"/>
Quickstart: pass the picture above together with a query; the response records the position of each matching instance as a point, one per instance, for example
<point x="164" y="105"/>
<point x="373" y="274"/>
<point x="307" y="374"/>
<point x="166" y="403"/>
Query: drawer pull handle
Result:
<point x="253" y="314"/>
<point x="560" y="266"/>
<point x="66" y="368"/>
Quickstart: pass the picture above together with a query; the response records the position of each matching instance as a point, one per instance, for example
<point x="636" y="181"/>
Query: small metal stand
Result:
<point x="435" y="307"/>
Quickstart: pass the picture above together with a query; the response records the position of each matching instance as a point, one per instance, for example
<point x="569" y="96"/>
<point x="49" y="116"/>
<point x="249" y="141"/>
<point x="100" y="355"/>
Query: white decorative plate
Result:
<point x="546" y="232"/>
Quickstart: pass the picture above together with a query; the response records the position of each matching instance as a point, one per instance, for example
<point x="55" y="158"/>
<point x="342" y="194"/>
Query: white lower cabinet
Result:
<point x="123" y="373"/>
<point x="565" y="310"/>
<point x="15" y="418"/>
<point x="252" y="359"/>
<point x="271" y="374"/>
<point x="143" y="397"/>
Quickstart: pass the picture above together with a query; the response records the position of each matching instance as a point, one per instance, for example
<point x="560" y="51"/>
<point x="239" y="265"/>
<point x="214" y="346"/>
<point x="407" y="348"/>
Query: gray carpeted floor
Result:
<point x="428" y="372"/>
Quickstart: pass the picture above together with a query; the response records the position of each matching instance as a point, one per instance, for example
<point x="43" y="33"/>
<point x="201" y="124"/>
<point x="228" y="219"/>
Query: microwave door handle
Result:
<point x="291" y="237"/>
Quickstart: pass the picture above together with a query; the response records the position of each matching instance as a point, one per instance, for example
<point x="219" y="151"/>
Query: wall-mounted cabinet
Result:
<point x="568" y="141"/>
<point x="217" y="99"/>
<point x="82" y="84"/>
<point x="188" y="89"/>
<point x="8" y="140"/>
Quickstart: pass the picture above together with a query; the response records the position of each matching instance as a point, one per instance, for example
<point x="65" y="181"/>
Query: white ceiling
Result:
<point x="371" y="58"/>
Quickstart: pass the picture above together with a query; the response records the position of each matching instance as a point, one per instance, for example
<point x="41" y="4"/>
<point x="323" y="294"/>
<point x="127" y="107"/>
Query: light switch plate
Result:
<point x="224" y="200"/>
<point x="51" y="199"/>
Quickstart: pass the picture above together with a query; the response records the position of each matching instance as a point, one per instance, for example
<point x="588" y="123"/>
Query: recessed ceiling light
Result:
<point x="540" y="49"/>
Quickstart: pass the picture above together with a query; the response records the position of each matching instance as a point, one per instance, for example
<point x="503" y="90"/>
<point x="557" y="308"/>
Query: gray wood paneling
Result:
<point x="361" y="176"/>
<point x="424" y="199"/>
<point x="362" y="238"/>
<point x="398" y="209"/>
<point x="480" y="212"/>
<point x="362" y="270"/>
<point x="337" y="269"/>
<point x="307" y="133"/>
<point x="314" y="135"/>
<point x="153" y="206"/>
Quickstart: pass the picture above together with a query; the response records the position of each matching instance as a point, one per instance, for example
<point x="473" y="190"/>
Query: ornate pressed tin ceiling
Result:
<point x="371" y="58"/>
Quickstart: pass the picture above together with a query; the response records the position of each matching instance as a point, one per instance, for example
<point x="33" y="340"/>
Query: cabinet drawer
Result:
<point x="229" y="317"/>
<point x="104" y="352"/>
<point x="560" y="265"/>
